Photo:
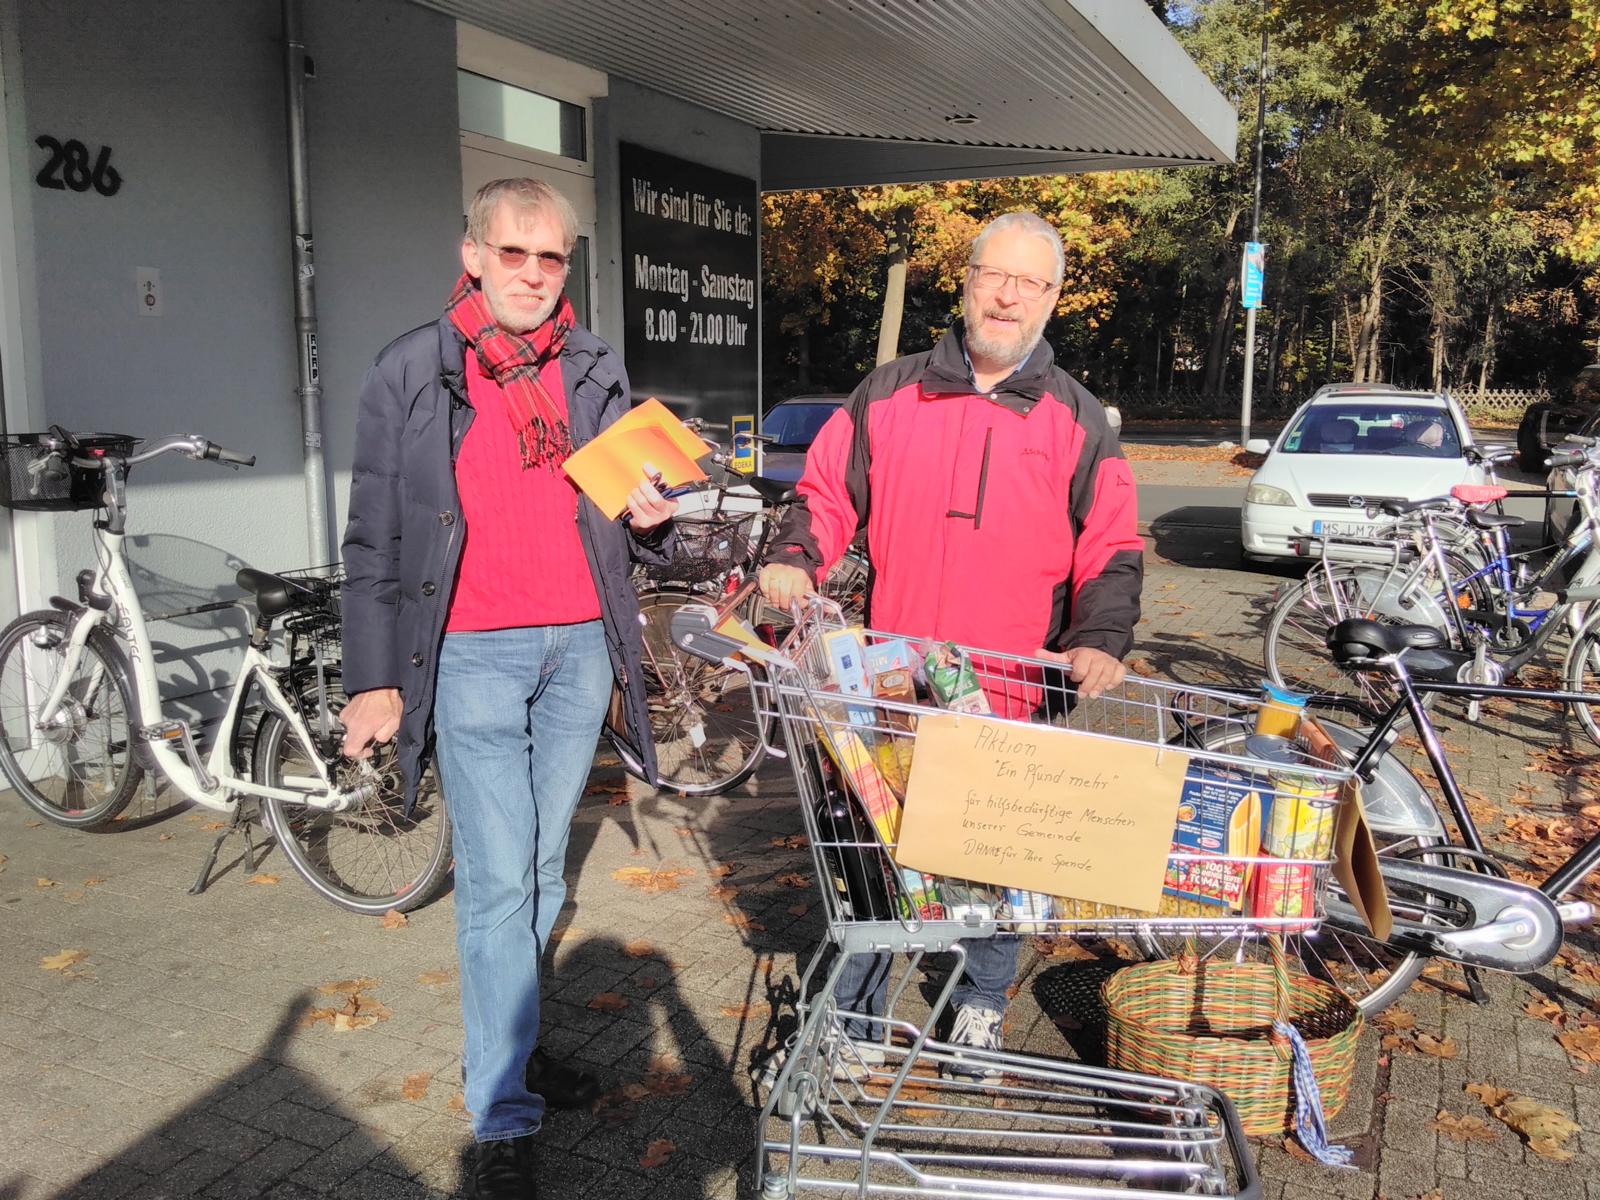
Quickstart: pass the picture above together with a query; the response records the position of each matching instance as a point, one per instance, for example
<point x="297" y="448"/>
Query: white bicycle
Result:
<point x="81" y="716"/>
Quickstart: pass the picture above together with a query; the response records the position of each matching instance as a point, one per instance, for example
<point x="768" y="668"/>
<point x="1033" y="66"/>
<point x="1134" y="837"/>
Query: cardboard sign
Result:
<point x="1044" y="809"/>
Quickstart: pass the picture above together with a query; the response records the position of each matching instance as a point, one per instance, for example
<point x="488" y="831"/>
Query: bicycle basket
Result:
<point x="706" y="549"/>
<point x="317" y="625"/>
<point x="39" y="473"/>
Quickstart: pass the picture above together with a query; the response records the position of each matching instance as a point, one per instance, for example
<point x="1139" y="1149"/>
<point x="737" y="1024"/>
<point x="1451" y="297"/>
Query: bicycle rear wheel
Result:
<point x="705" y="724"/>
<point x="373" y="856"/>
<point x="80" y="770"/>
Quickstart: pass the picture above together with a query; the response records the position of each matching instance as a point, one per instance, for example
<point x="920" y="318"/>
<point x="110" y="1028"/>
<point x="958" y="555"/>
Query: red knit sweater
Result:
<point x="523" y="562"/>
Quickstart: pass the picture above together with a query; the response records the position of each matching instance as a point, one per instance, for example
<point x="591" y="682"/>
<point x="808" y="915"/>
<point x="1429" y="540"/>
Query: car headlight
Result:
<point x="1265" y="493"/>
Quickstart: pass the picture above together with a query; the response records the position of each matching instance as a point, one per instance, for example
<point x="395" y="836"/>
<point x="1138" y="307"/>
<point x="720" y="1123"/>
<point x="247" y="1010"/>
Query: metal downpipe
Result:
<point x="309" y="388"/>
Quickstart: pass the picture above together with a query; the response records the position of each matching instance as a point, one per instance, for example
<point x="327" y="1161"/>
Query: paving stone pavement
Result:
<point x="176" y="1059"/>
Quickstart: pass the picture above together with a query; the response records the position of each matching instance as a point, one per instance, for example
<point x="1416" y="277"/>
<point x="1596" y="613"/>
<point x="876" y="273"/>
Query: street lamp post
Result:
<point x="1255" y="233"/>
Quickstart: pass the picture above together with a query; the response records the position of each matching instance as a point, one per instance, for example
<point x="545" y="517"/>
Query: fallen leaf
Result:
<point x="1582" y="1043"/>
<point x="742" y="921"/>
<point x="723" y="870"/>
<point x="1462" y="1128"/>
<point x="795" y="841"/>
<point x="348" y="987"/>
<point x="1545" y="1010"/>
<point x="657" y="1154"/>
<point x="668" y="1083"/>
<point x="92" y="881"/>
<point x="1437" y="1047"/>
<point x="165" y="837"/>
<point x="395" y="919"/>
<point x="214" y="825"/>
<point x="798" y="910"/>
<point x="344" y="1022"/>
<point x="639" y="948"/>
<point x="1142" y="666"/>
<point x="648" y="982"/>
<point x="1544" y="1129"/>
<point x="1395" y="1019"/>
<point x="683" y="830"/>
<point x="415" y="1086"/>
<point x="1487" y="1094"/>
<point x="32" y="824"/>
<point x="63" y="960"/>
<point x="433" y="977"/>
<point x="723" y="891"/>
<point x="794" y="879"/>
<point x="607" y="788"/>
<point x="646" y="879"/>
<point x="43" y="882"/>
<point x="457" y="1103"/>
<point x="608" y="1002"/>
<point x="264" y="880"/>
<point x="75" y="895"/>
<point x="745" y="1011"/>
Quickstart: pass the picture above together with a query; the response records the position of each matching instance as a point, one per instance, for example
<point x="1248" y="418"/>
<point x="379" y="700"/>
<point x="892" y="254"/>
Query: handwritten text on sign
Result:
<point x="1043" y="809"/>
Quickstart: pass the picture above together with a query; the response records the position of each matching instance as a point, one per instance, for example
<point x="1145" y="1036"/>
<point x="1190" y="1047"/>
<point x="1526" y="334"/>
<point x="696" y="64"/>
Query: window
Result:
<point x="794" y="426"/>
<point x="524" y="118"/>
<point x="1399" y="430"/>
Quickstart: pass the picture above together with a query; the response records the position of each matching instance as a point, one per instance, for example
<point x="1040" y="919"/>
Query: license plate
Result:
<point x="1352" y="529"/>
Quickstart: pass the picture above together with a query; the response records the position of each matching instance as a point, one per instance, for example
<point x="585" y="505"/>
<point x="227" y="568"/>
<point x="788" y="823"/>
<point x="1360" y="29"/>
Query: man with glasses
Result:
<point x="999" y="513"/>
<point x="488" y="608"/>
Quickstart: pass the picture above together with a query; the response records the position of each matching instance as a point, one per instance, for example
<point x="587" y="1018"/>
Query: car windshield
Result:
<point x="795" y="426"/>
<point x="1398" y="430"/>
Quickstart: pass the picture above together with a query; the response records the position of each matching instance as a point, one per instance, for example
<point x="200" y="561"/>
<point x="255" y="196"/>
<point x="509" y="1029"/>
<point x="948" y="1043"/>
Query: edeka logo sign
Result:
<point x="690" y="303"/>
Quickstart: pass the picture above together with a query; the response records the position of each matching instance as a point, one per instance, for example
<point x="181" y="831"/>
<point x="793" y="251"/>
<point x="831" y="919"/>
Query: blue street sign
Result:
<point x="743" y="458"/>
<point x="1254" y="278"/>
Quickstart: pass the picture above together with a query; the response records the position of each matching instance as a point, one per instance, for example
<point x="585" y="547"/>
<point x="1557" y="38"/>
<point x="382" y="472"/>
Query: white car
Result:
<point x="1348" y="447"/>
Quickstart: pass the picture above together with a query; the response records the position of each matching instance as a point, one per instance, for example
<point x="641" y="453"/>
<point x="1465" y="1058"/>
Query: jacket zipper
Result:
<point x="983" y="479"/>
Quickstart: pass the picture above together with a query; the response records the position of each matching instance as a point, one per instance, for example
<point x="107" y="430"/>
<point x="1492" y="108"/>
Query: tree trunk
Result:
<point x="1272" y="355"/>
<point x="894" y="289"/>
<point x="1488" y="352"/>
<point x="803" y="356"/>
<point x="1367" y="366"/>
<point x="1221" y="347"/>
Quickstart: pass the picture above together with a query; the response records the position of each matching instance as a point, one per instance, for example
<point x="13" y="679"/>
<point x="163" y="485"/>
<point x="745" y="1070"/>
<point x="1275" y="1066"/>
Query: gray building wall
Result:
<point x="189" y="94"/>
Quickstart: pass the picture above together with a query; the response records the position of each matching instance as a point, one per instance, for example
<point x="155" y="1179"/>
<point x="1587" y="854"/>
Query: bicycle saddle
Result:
<point x="1358" y="640"/>
<point x="274" y="594"/>
<point x="1487" y="520"/>
<point x="1478" y="493"/>
<point x="1399" y="508"/>
<point x="772" y="491"/>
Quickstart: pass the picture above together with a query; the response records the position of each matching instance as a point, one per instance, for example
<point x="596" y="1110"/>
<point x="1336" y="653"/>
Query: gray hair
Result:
<point x="525" y="195"/>
<point x="1027" y="222"/>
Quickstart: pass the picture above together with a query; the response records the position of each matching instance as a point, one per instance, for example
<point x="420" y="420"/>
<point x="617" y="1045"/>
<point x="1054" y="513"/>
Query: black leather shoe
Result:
<point x="561" y="1085"/>
<point x="505" y="1171"/>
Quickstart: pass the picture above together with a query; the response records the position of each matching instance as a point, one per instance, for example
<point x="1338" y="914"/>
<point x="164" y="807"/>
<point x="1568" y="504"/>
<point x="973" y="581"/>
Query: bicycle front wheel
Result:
<point x="77" y="768"/>
<point x="704" y="721"/>
<point x="1582" y="672"/>
<point x="373" y="856"/>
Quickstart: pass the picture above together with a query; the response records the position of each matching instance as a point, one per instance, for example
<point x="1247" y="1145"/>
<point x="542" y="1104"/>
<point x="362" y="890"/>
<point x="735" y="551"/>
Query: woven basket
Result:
<point x="1211" y="1022"/>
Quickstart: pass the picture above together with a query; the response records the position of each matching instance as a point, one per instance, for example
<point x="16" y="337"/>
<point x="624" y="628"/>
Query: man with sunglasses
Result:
<point x="999" y="513"/>
<point x="488" y="610"/>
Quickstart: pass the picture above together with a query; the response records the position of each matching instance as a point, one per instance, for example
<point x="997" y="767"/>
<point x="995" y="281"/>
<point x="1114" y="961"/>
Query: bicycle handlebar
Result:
<point x="1567" y="458"/>
<point x="232" y="457"/>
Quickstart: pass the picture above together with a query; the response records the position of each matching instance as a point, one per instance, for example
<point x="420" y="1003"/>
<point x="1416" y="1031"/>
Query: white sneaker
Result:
<point x="852" y="1060"/>
<point x="978" y="1028"/>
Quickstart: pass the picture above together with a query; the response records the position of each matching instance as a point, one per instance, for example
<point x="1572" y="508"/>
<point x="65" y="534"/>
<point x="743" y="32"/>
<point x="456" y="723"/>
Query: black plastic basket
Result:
<point x="317" y="626"/>
<point x="707" y="549"/>
<point x="41" y="472"/>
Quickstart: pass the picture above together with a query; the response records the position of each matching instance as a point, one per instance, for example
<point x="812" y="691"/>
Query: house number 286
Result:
<point x="69" y="167"/>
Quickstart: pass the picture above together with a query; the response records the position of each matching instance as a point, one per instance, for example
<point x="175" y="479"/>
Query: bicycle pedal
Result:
<point x="164" y="731"/>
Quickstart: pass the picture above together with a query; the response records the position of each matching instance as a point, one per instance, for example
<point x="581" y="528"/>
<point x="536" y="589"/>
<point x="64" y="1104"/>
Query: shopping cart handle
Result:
<point x="693" y="632"/>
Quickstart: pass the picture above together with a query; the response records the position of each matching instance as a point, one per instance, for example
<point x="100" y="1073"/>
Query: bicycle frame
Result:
<point x="210" y="783"/>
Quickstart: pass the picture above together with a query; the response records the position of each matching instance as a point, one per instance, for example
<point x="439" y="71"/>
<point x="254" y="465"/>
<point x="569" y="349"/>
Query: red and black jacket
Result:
<point x="1004" y="520"/>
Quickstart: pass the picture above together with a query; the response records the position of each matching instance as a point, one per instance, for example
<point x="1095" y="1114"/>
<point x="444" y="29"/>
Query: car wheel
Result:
<point x="1531" y="450"/>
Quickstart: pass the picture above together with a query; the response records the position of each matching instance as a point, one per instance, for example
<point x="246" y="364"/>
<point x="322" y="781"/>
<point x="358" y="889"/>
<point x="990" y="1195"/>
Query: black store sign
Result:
<point x="690" y="297"/>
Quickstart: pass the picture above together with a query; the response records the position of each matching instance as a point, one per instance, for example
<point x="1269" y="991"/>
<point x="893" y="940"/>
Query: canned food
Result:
<point x="1300" y="820"/>
<point x="1284" y="892"/>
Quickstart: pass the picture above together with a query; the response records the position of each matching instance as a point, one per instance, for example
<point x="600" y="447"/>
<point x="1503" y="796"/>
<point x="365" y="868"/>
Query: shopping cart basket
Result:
<point x="873" y="1115"/>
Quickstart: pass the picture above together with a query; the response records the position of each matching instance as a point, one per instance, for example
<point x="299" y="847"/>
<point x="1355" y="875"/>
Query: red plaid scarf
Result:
<point x="514" y="361"/>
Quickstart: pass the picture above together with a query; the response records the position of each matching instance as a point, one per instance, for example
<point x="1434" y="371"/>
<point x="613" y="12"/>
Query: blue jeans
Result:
<point x="517" y="716"/>
<point x="991" y="968"/>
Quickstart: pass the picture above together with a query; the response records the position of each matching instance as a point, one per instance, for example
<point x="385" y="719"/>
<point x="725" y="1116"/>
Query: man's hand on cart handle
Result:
<point x="1093" y="671"/>
<point x="784" y="586"/>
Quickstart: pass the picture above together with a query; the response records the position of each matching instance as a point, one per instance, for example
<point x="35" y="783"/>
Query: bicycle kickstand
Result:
<point x="1475" y="989"/>
<point x="238" y="822"/>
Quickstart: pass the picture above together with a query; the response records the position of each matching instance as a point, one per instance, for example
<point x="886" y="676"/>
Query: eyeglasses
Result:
<point x="512" y="258"/>
<point x="992" y="279"/>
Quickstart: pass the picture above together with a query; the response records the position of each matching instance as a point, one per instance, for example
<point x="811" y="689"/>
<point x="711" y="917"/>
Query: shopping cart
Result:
<point x="873" y="1115"/>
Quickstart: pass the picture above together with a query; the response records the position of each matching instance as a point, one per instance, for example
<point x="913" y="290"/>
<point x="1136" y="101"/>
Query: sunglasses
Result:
<point x="512" y="258"/>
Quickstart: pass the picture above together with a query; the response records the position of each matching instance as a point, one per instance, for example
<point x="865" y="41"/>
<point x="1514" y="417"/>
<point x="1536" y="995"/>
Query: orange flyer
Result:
<point x="612" y="465"/>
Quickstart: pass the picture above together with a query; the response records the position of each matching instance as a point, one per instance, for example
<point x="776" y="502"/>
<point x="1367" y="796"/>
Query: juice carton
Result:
<point x="1219" y="813"/>
<point x="953" y="682"/>
<point x="845" y="654"/>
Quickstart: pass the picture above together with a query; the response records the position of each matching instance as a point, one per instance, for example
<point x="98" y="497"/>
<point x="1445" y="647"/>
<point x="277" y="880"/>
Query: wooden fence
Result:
<point x="1496" y="406"/>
